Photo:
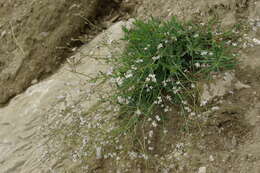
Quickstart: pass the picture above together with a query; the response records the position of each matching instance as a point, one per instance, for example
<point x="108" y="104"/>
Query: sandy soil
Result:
<point x="225" y="138"/>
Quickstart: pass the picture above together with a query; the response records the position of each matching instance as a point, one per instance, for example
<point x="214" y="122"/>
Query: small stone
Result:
<point x="211" y="158"/>
<point x="202" y="170"/>
<point x="98" y="152"/>
<point x="240" y="85"/>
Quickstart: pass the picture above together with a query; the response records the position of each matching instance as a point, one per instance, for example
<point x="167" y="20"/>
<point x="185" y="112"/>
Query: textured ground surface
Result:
<point x="228" y="140"/>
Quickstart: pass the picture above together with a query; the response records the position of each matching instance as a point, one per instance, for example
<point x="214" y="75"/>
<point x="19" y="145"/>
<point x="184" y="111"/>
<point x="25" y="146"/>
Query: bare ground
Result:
<point x="226" y="138"/>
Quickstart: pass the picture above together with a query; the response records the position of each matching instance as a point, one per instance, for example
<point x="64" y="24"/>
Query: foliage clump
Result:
<point x="162" y="62"/>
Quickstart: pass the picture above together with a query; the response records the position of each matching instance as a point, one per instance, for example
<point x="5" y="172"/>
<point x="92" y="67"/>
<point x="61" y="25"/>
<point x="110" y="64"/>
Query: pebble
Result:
<point x="211" y="158"/>
<point x="202" y="170"/>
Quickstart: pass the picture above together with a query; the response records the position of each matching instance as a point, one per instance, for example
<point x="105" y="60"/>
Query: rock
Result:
<point x="202" y="170"/>
<point x="99" y="153"/>
<point x="211" y="158"/>
<point x="219" y="87"/>
<point x="20" y="147"/>
<point x="239" y="85"/>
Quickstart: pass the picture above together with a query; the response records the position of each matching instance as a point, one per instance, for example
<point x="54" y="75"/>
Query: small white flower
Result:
<point x="196" y="35"/>
<point x="150" y="133"/>
<point x="145" y="156"/>
<point x="215" y="108"/>
<point x="167" y="109"/>
<point x="133" y="67"/>
<point x="192" y="85"/>
<point x="152" y="77"/>
<point x="165" y="131"/>
<point x="203" y="102"/>
<point x="197" y="65"/>
<point x="150" y="148"/>
<point x="159" y="46"/>
<point x="158" y="118"/>
<point x="184" y="102"/>
<point x="203" y="53"/>
<point x="192" y="114"/>
<point x="129" y="75"/>
<point x="119" y="81"/>
<point x="139" y="61"/>
<point x="156" y="58"/>
<point x="187" y="109"/>
<point x="110" y="71"/>
<point x="256" y="41"/>
<point x="138" y="112"/>
<point x="168" y="98"/>
<point x="147" y="79"/>
<point x="154" y="124"/>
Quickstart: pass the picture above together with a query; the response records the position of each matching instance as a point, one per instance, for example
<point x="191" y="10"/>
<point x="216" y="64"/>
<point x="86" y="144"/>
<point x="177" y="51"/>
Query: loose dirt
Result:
<point x="225" y="138"/>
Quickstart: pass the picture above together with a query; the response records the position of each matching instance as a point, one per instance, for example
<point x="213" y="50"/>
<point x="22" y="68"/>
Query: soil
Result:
<point x="225" y="138"/>
<point x="36" y="37"/>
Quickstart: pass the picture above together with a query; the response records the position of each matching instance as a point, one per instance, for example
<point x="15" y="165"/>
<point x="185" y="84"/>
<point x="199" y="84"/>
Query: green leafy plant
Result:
<point x="162" y="62"/>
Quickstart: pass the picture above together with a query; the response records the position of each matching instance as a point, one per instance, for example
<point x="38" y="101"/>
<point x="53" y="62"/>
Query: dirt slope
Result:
<point x="34" y="38"/>
<point x="226" y="139"/>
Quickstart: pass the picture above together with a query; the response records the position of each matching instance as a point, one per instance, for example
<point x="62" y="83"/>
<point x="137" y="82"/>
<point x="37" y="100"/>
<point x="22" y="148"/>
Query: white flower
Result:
<point x="165" y="131"/>
<point x="138" y="112"/>
<point x="164" y="83"/>
<point x="159" y="46"/>
<point x="168" y="98"/>
<point x="129" y="74"/>
<point x="166" y="109"/>
<point x="156" y="58"/>
<point x="192" y="114"/>
<point x="203" y="53"/>
<point x="256" y="41"/>
<point x="150" y="148"/>
<point x="203" y="102"/>
<point x="197" y="65"/>
<point x="154" y="124"/>
<point x="196" y="35"/>
<point x="110" y="71"/>
<point x="139" y="61"/>
<point x="215" y="108"/>
<point x="150" y="133"/>
<point x="145" y="156"/>
<point x="147" y="79"/>
<point x="119" y="81"/>
<point x="187" y="109"/>
<point x="133" y="67"/>
<point x="158" y="118"/>
<point x="192" y="85"/>
<point x="152" y="77"/>
<point x="184" y="102"/>
<point x="120" y="99"/>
